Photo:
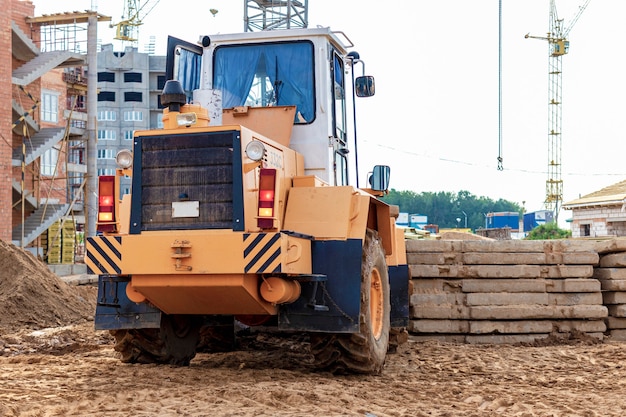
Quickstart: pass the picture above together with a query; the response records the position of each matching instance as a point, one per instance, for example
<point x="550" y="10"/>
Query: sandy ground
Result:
<point x="74" y="371"/>
<point x="53" y="363"/>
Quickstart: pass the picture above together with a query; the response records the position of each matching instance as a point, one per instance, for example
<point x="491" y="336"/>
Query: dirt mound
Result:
<point x="32" y="296"/>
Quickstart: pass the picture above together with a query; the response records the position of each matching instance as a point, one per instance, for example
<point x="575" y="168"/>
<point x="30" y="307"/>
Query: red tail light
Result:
<point x="106" y="204"/>
<point x="267" y="190"/>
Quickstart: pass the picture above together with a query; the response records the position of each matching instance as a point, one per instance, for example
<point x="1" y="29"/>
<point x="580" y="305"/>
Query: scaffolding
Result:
<point x="63" y="31"/>
<point x="57" y="41"/>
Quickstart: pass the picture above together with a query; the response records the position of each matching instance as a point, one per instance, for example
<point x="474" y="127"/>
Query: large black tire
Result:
<point x="363" y="352"/>
<point x="174" y="343"/>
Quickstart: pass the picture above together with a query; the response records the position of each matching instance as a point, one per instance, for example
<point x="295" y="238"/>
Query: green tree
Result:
<point x="443" y="208"/>
<point x="548" y="231"/>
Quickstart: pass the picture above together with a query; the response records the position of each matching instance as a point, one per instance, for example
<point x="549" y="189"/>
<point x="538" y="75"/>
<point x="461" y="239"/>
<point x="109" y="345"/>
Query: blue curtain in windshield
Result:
<point x="288" y="66"/>
<point x="189" y="65"/>
<point x="233" y="73"/>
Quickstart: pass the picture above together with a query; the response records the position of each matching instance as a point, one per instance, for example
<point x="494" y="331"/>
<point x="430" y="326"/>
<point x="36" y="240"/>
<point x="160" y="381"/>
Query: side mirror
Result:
<point x="379" y="180"/>
<point x="364" y="86"/>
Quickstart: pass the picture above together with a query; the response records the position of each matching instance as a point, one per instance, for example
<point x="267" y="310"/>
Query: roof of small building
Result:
<point x="607" y="196"/>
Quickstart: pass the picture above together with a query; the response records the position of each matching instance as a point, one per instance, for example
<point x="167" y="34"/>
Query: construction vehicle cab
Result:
<point x="242" y="209"/>
<point x="254" y="71"/>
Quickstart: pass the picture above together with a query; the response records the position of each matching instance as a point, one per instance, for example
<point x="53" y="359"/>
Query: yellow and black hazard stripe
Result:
<point x="104" y="255"/>
<point x="261" y="253"/>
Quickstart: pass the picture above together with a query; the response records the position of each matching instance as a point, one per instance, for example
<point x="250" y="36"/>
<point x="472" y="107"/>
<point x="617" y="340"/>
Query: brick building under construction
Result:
<point x="45" y="138"/>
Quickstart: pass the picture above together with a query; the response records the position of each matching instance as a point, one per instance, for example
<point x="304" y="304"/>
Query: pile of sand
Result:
<point x="32" y="296"/>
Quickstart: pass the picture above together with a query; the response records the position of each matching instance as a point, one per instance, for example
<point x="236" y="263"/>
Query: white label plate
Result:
<point x="185" y="209"/>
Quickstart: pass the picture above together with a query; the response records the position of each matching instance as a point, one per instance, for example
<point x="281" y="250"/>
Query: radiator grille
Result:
<point x="194" y="167"/>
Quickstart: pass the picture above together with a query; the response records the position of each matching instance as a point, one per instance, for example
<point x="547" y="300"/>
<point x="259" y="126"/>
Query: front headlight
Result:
<point x="186" y="119"/>
<point x="124" y="159"/>
<point x="255" y="150"/>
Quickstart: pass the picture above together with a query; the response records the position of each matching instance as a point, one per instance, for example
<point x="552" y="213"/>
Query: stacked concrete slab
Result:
<point x="611" y="272"/>
<point x="489" y="291"/>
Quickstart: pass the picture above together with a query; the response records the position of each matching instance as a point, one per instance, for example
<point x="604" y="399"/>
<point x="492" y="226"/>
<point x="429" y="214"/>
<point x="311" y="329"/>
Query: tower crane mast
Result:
<point x="275" y="14"/>
<point x="558" y="46"/>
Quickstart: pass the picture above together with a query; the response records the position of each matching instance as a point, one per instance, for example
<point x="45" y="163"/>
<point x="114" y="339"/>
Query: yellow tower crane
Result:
<point x="558" y="46"/>
<point x="134" y="13"/>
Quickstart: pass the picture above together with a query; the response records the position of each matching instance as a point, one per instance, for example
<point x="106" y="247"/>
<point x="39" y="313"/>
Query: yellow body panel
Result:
<point x="200" y="272"/>
<point x="398" y="257"/>
<point x="204" y="294"/>
<point x="124" y="211"/>
<point x="274" y="122"/>
<point x="327" y="212"/>
<point x="308" y="181"/>
<point x="199" y="252"/>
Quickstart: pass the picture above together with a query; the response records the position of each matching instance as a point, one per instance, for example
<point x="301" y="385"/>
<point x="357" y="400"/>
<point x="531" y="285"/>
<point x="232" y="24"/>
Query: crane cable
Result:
<point x="136" y="16"/>
<point x="500" y="167"/>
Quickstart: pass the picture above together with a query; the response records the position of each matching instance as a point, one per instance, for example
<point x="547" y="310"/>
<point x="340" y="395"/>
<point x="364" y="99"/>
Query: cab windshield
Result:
<point x="269" y="74"/>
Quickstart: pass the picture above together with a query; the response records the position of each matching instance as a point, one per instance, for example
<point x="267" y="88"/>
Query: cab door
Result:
<point x="340" y="135"/>
<point x="183" y="63"/>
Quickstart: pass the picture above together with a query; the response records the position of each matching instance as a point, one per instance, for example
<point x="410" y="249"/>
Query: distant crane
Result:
<point x="134" y="13"/>
<point x="275" y="14"/>
<point x="558" y="46"/>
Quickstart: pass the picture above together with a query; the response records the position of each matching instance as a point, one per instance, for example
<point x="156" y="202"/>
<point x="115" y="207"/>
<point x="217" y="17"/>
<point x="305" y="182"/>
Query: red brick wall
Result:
<point x="34" y="184"/>
<point x="5" y="122"/>
<point x="19" y="10"/>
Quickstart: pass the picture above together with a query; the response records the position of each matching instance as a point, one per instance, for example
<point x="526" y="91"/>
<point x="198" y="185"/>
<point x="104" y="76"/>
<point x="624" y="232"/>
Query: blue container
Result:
<point x="536" y="218"/>
<point x="503" y="219"/>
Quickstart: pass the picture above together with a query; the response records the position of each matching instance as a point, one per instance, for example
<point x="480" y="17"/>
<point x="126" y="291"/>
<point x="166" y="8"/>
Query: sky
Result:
<point x="435" y="116"/>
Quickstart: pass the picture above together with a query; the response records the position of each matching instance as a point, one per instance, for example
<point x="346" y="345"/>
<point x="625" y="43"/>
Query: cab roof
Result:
<point x="339" y="39"/>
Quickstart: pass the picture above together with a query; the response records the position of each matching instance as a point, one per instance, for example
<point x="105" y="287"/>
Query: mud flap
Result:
<point x="115" y="311"/>
<point x="399" y="295"/>
<point x="331" y="298"/>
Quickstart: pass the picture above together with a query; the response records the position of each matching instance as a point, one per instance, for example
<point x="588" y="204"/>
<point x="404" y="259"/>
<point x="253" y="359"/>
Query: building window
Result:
<point x="133" y="116"/>
<point x="106" y="134"/>
<point x="132" y="77"/>
<point x="106" y="154"/>
<point x="128" y="135"/>
<point x="106" y="96"/>
<point x="104" y="77"/>
<point x="585" y="230"/>
<point x="105" y="171"/>
<point x="133" y="96"/>
<point x="76" y="102"/>
<point x="49" y="106"/>
<point x="159" y="105"/>
<point x="77" y="153"/>
<point x="107" y="115"/>
<point x="48" y="162"/>
<point x="160" y="82"/>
